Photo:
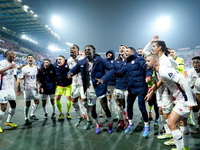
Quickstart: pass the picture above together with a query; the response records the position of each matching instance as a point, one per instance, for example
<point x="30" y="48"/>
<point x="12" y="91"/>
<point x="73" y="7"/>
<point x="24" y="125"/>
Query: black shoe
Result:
<point x="27" y="122"/>
<point x="53" y="115"/>
<point x="162" y="130"/>
<point x="46" y="116"/>
<point x="34" y="117"/>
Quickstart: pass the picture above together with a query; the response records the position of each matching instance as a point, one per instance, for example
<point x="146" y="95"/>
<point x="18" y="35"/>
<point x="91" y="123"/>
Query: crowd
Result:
<point x="21" y="52"/>
<point x="155" y="77"/>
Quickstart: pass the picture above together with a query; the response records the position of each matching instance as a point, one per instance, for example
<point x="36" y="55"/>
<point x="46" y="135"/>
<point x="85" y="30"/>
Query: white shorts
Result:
<point x="11" y="95"/>
<point x="92" y="98"/>
<point x="182" y="109"/>
<point x="28" y="95"/>
<point x="77" y="90"/>
<point x="120" y="94"/>
<point x="3" y="96"/>
<point x="110" y="89"/>
<point x="167" y="104"/>
<point x="45" y="96"/>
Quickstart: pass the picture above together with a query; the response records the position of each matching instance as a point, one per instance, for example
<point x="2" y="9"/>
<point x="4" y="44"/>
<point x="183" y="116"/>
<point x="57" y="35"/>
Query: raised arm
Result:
<point x="147" y="47"/>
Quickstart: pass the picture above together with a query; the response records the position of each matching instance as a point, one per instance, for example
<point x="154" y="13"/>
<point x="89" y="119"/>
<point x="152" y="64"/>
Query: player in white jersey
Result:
<point x="29" y="73"/>
<point x="163" y="95"/>
<point x="81" y="104"/>
<point x="182" y="96"/>
<point x="77" y="87"/>
<point x="192" y="75"/>
<point x="7" y="93"/>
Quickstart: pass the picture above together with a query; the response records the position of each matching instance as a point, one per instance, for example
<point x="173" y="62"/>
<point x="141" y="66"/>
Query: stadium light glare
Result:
<point x="26" y="8"/>
<point x="19" y="0"/>
<point x="46" y="26"/>
<point x="23" y="36"/>
<point x="31" y="12"/>
<point x="163" y="23"/>
<point x="69" y="44"/>
<point x="35" y="15"/>
<point x="52" y="48"/>
<point x="56" y="21"/>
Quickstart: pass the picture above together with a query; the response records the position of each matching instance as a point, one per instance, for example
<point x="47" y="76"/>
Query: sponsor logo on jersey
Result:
<point x="170" y="74"/>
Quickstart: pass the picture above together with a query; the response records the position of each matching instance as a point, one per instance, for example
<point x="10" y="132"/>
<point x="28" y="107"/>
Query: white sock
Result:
<point x="162" y="120"/>
<point x="45" y="110"/>
<point x="196" y="114"/>
<point x="168" y="131"/>
<point x="185" y="131"/>
<point x="121" y="112"/>
<point x="130" y="121"/>
<point x="76" y="108"/>
<point x="89" y="117"/>
<point x="1" y="115"/>
<point x="53" y="106"/>
<point x="109" y="104"/>
<point x="34" y="108"/>
<point x="146" y="124"/>
<point x="26" y="109"/>
<point x="81" y="106"/>
<point x="11" y="112"/>
<point x="178" y="139"/>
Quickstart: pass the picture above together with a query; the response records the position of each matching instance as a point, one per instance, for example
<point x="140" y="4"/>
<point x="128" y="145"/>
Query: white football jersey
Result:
<point x="7" y="78"/>
<point x="77" y="80"/>
<point x="30" y="80"/>
<point x="192" y="76"/>
<point x="177" y="84"/>
<point x="164" y="61"/>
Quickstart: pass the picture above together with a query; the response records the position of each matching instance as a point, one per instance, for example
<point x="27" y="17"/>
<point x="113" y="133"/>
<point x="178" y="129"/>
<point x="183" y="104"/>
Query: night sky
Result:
<point x="108" y="23"/>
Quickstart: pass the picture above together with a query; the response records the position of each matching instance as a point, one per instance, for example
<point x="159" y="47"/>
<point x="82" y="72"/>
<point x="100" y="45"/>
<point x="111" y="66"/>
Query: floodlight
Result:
<point x="163" y="23"/>
<point x="56" y="21"/>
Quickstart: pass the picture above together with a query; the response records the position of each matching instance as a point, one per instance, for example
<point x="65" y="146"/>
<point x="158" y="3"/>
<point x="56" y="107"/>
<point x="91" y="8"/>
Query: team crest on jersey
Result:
<point x="112" y="61"/>
<point x="81" y="65"/>
<point x="51" y="71"/>
<point x="132" y="62"/>
<point x="170" y="74"/>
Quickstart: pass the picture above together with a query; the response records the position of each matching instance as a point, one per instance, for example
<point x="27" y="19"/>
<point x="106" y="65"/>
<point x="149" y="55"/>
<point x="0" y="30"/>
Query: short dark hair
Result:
<point x="132" y="49"/>
<point x="76" y="46"/>
<point x="91" y="47"/>
<point x="30" y="55"/>
<point x="140" y="48"/>
<point x="123" y="45"/>
<point x="61" y="56"/>
<point x="47" y="60"/>
<point x="196" y="57"/>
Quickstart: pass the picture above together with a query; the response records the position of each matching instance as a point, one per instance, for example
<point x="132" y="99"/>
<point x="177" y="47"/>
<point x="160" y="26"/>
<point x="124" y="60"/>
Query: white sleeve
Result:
<point x="169" y="73"/>
<point x="173" y="62"/>
<point x="189" y="77"/>
<point x="176" y="77"/>
<point x="22" y="73"/>
<point x="2" y="66"/>
<point x="146" y="49"/>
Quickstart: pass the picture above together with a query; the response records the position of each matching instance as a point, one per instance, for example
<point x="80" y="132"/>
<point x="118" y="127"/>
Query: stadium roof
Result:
<point x="17" y="20"/>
